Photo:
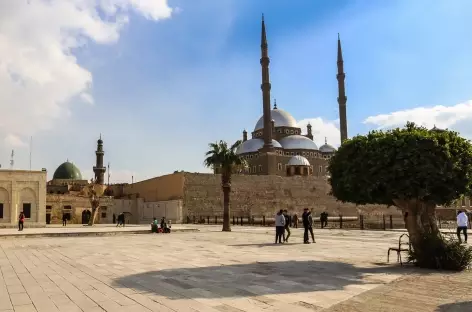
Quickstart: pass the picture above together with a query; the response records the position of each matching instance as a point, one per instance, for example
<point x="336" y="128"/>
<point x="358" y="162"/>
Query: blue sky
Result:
<point x="165" y="89"/>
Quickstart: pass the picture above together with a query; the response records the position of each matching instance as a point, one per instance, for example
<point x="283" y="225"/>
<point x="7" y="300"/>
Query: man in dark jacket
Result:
<point x="288" y="221"/>
<point x="307" y="220"/>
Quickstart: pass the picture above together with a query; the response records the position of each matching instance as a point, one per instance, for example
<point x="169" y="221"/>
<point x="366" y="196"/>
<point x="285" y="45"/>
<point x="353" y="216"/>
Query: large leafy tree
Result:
<point x="413" y="168"/>
<point x="226" y="162"/>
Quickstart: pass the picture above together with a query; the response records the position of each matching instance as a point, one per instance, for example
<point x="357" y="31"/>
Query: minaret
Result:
<point x="244" y="135"/>
<point x="99" y="169"/>
<point x="265" y="87"/>
<point x="342" y="99"/>
<point x="309" y="133"/>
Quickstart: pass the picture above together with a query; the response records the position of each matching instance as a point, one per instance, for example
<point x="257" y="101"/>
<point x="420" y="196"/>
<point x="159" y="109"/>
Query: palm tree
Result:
<point x="224" y="158"/>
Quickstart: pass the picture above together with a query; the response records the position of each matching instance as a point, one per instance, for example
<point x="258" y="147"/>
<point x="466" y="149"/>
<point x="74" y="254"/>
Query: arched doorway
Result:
<point x="86" y="215"/>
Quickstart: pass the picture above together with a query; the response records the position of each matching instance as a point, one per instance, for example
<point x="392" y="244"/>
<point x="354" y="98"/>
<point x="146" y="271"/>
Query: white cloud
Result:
<point x="322" y="129"/>
<point x="39" y="73"/>
<point x="14" y="141"/>
<point x="457" y="117"/>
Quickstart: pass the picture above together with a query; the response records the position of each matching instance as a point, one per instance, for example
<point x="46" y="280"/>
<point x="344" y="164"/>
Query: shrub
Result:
<point x="436" y="252"/>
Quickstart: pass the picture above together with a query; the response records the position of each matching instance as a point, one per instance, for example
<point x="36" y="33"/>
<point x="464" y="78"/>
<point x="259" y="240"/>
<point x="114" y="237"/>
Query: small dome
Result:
<point x="326" y="148"/>
<point x="298" y="160"/>
<point x="253" y="145"/>
<point x="67" y="171"/>
<point x="280" y="117"/>
<point x="298" y="142"/>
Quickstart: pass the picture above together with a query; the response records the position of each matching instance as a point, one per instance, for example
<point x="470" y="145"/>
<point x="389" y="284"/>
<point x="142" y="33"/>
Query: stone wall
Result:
<point x="264" y="195"/>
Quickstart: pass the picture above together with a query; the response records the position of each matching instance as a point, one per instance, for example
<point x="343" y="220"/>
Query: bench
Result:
<point x="401" y="248"/>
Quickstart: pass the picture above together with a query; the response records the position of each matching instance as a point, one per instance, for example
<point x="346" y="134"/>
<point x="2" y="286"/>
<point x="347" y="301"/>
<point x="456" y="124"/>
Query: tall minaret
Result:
<point x="99" y="169"/>
<point x="342" y="99"/>
<point x="265" y="87"/>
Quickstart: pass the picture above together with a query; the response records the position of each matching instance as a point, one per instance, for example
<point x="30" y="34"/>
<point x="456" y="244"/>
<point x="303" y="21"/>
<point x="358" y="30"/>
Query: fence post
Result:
<point x="384" y="225"/>
<point x="263" y="220"/>
<point x="340" y="221"/>
<point x="361" y="219"/>
<point x="391" y="222"/>
<point x="216" y="219"/>
<point x="234" y="221"/>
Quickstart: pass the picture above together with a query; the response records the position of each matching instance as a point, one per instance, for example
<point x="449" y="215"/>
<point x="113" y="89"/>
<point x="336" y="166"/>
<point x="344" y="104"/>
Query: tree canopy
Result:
<point x="413" y="162"/>
<point x="220" y="155"/>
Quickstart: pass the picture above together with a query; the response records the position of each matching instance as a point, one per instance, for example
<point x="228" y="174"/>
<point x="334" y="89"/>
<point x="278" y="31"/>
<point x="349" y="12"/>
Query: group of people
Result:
<point x="163" y="227"/>
<point x="283" y="222"/>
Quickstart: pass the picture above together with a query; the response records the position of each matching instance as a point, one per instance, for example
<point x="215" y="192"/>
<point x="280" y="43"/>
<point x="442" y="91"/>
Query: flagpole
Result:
<point x="31" y="148"/>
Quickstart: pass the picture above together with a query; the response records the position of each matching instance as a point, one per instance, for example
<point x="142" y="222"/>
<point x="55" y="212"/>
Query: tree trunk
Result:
<point x="95" y="209"/>
<point x="226" y="223"/>
<point x="95" y="212"/>
<point x="420" y="219"/>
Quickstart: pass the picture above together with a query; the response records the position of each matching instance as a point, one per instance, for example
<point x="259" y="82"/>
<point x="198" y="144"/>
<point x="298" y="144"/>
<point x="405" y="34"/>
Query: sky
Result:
<point x="160" y="79"/>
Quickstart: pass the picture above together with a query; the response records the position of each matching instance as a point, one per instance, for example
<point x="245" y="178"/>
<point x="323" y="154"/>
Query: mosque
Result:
<point x="283" y="150"/>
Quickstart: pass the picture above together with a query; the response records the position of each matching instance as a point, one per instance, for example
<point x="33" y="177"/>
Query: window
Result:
<point x="48" y="208"/>
<point x="297" y="153"/>
<point x="292" y="153"/>
<point x="1" y="210"/>
<point x="260" y="168"/>
<point x="279" y="166"/>
<point x="321" y="169"/>
<point x="286" y="131"/>
<point x="291" y="131"/>
<point x="253" y="169"/>
<point x="311" y="154"/>
<point x="104" y="214"/>
<point x="27" y="210"/>
<point x="463" y="202"/>
<point x="68" y="207"/>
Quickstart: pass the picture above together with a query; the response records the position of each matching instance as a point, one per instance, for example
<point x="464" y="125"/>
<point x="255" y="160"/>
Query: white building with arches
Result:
<point x="22" y="190"/>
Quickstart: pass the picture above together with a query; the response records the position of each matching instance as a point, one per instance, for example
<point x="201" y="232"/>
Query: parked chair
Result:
<point x="401" y="248"/>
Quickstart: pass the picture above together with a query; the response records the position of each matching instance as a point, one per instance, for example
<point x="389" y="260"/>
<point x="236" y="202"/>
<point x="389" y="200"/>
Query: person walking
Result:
<point x="288" y="221"/>
<point x="295" y="221"/>
<point x="462" y="222"/>
<point x="307" y="220"/>
<point x="64" y="219"/>
<point x="279" y="226"/>
<point x="21" y="221"/>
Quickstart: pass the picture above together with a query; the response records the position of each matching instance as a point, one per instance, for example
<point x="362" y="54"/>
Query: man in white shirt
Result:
<point x="462" y="223"/>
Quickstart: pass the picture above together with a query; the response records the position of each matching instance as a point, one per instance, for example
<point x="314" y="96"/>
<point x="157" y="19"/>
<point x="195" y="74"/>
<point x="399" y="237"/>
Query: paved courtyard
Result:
<point x="213" y="271"/>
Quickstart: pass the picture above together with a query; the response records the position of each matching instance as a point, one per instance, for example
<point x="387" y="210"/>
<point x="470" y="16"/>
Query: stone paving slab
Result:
<point x="214" y="271"/>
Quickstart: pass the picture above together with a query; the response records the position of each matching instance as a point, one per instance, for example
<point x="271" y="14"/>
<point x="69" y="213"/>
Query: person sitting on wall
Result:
<point x="154" y="226"/>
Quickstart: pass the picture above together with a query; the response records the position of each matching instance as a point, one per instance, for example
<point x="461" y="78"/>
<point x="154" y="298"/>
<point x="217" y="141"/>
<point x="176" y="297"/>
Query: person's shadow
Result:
<point x="256" y="279"/>
<point x="464" y="306"/>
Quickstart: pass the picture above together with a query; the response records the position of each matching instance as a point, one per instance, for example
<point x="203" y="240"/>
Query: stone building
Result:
<point x="276" y="138"/>
<point x="22" y="190"/>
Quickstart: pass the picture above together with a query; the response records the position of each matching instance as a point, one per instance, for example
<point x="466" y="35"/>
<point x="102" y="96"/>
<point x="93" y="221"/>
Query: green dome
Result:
<point x="67" y="171"/>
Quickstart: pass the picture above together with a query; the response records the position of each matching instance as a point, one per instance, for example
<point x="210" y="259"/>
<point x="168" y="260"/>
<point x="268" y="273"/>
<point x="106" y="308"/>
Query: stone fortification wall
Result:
<point x="264" y="195"/>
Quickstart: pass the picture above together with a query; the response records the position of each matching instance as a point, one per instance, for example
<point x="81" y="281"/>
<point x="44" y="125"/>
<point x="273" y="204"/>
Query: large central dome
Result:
<point x="281" y="119"/>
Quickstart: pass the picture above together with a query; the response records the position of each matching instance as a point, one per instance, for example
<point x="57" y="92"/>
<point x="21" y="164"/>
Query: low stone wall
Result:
<point x="264" y="195"/>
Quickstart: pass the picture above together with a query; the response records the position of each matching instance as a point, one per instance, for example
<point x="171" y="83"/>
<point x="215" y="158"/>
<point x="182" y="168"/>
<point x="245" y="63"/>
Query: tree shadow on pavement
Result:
<point x="464" y="306"/>
<point x="257" y="279"/>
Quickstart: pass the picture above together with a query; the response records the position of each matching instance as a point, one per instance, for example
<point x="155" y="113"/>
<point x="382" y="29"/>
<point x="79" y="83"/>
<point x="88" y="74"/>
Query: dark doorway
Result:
<point x="27" y="210"/>
<point x="48" y="218"/>
<point x="86" y="214"/>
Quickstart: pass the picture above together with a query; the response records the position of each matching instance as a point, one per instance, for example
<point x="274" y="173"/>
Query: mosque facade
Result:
<point x="282" y="149"/>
